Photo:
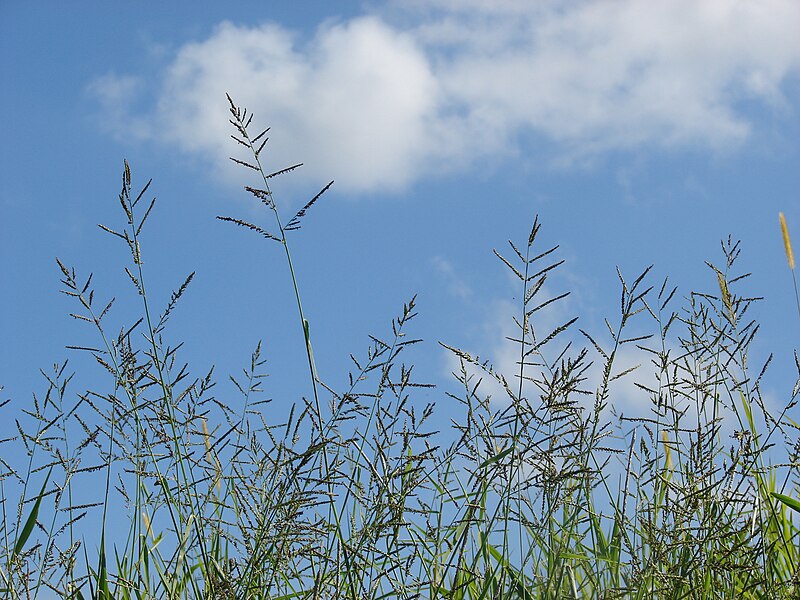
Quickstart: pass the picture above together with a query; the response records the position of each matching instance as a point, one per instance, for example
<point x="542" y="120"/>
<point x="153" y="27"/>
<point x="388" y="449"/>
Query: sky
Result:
<point x="639" y="133"/>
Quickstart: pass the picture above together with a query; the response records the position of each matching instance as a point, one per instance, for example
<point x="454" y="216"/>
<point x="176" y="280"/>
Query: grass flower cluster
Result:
<point x="352" y="493"/>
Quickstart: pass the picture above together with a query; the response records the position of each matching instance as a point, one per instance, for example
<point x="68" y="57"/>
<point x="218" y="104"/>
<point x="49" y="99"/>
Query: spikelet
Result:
<point x="726" y="297"/>
<point x="146" y="520"/>
<point x="787" y="242"/>
<point x="206" y="436"/>
<point x="217" y="466"/>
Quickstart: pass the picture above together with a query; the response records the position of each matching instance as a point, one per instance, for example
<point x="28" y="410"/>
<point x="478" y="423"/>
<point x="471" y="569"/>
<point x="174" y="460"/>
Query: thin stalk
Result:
<point x="241" y="125"/>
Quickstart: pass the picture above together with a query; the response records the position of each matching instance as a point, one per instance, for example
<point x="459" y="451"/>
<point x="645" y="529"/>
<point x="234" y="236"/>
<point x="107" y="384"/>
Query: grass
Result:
<point x="544" y="493"/>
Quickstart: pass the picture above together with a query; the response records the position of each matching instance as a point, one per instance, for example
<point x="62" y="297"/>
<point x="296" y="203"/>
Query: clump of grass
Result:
<point x="545" y="492"/>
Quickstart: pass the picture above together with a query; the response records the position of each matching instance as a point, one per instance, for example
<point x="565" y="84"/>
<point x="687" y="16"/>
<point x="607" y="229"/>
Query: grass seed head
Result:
<point x="787" y="242"/>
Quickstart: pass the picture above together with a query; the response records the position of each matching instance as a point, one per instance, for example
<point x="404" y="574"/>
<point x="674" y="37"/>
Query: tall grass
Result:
<point x="544" y="492"/>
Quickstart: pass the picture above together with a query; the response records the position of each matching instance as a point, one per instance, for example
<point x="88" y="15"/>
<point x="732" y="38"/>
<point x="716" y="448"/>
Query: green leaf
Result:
<point x="102" y="571"/>
<point x="30" y="523"/>
<point x="497" y="457"/>
<point x="787" y="500"/>
<point x="601" y="542"/>
<point x="79" y="595"/>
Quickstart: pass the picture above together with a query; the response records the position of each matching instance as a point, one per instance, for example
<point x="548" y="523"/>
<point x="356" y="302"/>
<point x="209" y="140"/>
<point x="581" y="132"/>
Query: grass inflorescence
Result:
<point x="540" y="489"/>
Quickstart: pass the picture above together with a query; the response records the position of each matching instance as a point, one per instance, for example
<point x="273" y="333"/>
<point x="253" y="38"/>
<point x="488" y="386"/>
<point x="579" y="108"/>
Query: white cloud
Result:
<point x="456" y="284"/>
<point x="351" y="104"/>
<point x="498" y="345"/>
<point x="377" y="107"/>
<point x="502" y="353"/>
<point x="116" y="95"/>
<point x="597" y="76"/>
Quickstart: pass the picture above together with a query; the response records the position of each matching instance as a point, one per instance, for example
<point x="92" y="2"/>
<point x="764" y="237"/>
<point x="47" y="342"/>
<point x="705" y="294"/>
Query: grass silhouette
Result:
<point x="545" y="493"/>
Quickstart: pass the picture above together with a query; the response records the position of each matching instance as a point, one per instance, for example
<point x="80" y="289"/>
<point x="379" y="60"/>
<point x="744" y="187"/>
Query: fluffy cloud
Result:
<point x="352" y="104"/>
<point x="377" y="106"/>
<point x="597" y="76"/>
<point x="498" y="346"/>
<point x="456" y="285"/>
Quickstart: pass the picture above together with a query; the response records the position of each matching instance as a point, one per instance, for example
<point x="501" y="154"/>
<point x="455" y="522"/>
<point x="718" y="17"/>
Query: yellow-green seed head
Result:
<point x="787" y="242"/>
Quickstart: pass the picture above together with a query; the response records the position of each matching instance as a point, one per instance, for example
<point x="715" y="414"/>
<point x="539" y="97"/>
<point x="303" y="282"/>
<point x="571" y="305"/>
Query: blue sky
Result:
<point x="640" y="133"/>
